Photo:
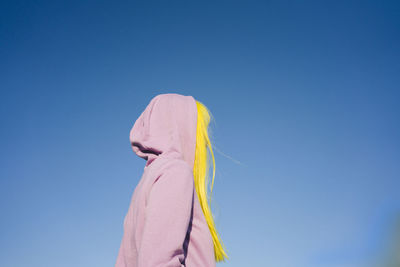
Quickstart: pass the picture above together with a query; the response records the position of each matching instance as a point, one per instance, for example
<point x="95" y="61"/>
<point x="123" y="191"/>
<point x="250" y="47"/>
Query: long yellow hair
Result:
<point x="200" y="173"/>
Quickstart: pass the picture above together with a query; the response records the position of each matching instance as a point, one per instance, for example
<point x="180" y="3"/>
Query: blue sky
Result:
<point x="305" y="96"/>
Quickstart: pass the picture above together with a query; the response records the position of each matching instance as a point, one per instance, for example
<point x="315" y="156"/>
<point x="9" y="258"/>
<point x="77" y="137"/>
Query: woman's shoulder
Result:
<point x="168" y="165"/>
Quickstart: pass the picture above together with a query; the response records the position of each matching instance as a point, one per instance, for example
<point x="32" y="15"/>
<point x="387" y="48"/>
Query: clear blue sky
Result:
<point x="305" y="95"/>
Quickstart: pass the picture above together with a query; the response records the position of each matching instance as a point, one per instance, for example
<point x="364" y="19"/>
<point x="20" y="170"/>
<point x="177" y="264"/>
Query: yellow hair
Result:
<point x="200" y="173"/>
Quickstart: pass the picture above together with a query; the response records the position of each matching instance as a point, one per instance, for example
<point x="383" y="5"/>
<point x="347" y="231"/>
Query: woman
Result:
<point x="169" y="221"/>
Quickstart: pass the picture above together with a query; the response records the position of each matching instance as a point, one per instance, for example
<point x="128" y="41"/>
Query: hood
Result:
<point x="166" y="127"/>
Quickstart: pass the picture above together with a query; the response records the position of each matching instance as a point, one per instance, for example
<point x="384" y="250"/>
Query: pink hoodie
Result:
<point x="165" y="225"/>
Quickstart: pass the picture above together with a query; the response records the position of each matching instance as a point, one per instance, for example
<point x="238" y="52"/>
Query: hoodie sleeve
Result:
<point x="167" y="218"/>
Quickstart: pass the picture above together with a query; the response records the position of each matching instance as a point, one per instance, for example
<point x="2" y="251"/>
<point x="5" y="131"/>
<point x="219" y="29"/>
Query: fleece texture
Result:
<point x="165" y="225"/>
